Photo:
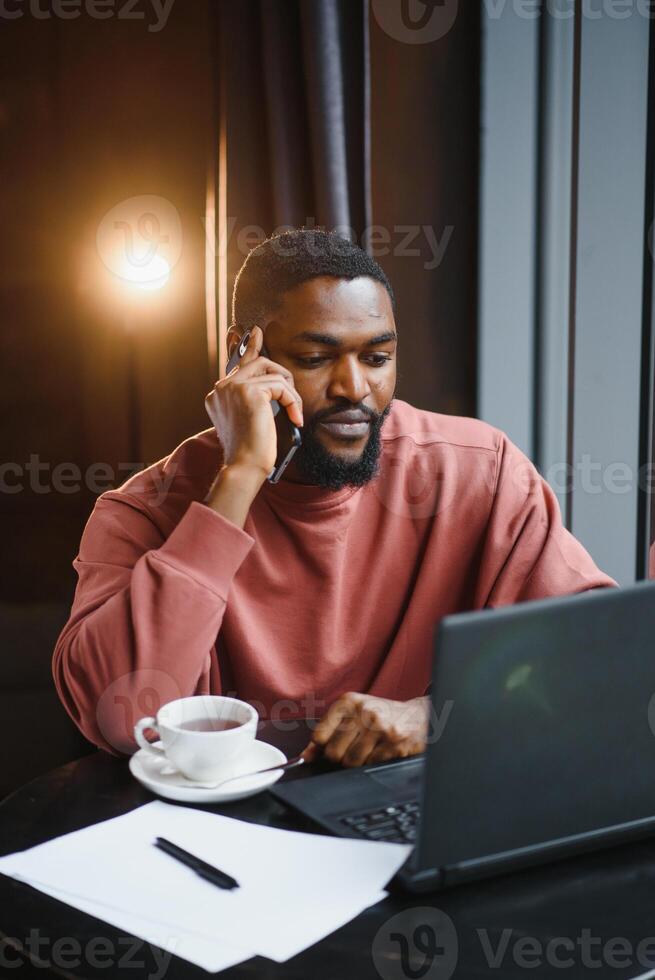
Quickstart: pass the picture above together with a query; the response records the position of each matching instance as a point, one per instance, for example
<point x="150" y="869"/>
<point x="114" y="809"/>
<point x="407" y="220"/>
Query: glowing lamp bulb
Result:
<point x="150" y="276"/>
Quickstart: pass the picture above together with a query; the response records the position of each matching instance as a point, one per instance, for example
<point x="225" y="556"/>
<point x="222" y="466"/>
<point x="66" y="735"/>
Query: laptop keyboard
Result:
<point x="392" y="823"/>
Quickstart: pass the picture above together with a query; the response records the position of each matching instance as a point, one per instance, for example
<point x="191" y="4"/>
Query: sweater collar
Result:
<point x="307" y="495"/>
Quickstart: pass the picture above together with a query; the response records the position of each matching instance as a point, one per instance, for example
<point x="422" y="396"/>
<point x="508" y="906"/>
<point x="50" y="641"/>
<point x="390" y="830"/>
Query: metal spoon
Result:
<point x="298" y="760"/>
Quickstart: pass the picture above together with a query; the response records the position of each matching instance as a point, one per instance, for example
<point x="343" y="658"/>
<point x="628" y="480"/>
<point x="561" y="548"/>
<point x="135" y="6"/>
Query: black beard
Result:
<point x="318" y="466"/>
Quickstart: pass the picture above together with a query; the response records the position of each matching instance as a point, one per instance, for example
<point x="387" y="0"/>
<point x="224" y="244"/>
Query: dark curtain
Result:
<point x="295" y="103"/>
<point x="315" y="60"/>
<point x="330" y="119"/>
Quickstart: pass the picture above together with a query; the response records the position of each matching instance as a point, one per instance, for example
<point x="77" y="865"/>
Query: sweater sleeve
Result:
<point x="527" y="551"/>
<point x="145" y="616"/>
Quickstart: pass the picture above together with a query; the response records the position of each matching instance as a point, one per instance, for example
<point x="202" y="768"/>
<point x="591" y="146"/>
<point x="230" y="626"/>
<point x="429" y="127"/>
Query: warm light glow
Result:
<point x="151" y="276"/>
<point x="139" y="240"/>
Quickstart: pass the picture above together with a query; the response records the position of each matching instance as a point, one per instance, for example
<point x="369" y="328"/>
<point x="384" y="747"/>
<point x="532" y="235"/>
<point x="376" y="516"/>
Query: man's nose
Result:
<point x="349" y="380"/>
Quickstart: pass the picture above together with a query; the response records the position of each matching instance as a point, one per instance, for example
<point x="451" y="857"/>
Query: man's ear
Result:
<point x="232" y="339"/>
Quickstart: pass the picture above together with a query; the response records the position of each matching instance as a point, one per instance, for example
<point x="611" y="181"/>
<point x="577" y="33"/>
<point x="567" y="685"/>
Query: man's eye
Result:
<point x="377" y="360"/>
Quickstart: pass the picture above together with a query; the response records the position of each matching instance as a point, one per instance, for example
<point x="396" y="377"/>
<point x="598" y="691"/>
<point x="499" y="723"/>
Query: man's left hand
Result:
<point x="359" y="729"/>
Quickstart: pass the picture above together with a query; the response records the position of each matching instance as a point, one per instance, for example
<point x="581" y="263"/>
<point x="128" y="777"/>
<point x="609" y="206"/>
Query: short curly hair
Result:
<point x="291" y="258"/>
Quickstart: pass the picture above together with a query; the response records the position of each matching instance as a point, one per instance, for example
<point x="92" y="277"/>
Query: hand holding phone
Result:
<point x="256" y="409"/>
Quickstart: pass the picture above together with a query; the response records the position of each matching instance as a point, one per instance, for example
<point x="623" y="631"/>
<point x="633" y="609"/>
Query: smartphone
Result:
<point x="288" y="435"/>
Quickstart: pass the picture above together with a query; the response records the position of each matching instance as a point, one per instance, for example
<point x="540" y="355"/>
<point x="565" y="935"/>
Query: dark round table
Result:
<point x="590" y="916"/>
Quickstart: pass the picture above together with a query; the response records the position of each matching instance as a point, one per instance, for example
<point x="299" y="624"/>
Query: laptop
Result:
<point x="541" y="744"/>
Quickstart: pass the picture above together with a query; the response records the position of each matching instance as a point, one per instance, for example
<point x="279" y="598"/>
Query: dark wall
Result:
<point x="93" y="112"/>
<point x="425" y="108"/>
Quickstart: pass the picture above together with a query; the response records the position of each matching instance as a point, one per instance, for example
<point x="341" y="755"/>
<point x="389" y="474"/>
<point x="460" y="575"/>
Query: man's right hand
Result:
<point x="239" y="407"/>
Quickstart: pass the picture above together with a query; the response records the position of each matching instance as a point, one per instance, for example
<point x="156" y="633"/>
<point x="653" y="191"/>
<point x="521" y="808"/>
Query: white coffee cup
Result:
<point x="193" y="738"/>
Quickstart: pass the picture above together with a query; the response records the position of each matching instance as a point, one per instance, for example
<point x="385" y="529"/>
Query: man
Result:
<point x="316" y="596"/>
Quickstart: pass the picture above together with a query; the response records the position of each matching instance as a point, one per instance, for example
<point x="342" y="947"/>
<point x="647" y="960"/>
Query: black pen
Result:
<point x="201" y="868"/>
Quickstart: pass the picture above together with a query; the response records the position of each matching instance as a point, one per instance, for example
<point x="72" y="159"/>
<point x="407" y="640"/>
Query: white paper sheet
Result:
<point x="212" y="955"/>
<point x="295" y="888"/>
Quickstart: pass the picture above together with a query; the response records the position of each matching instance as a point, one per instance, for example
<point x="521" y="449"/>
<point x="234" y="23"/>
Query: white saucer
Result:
<point x="161" y="778"/>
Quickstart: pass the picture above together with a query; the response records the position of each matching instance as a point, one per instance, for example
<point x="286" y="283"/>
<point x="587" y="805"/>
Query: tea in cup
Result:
<point x="201" y="736"/>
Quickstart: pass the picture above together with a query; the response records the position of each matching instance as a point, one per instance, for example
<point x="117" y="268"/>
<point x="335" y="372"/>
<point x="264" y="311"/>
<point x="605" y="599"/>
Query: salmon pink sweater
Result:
<point x="322" y="592"/>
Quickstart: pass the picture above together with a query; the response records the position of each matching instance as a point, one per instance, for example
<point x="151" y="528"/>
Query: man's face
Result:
<point x="338" y="339"/>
